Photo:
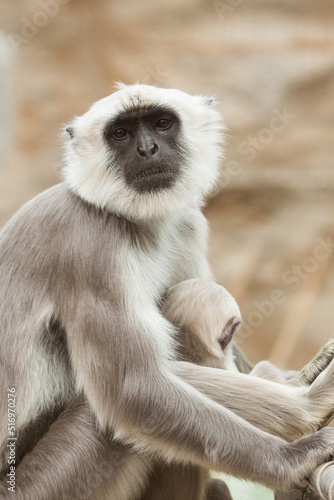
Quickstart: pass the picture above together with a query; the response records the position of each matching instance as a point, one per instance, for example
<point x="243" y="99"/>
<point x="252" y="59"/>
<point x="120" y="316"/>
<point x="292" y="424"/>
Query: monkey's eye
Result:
<point x="120" y="133"/>
<point x="163" y="123"/>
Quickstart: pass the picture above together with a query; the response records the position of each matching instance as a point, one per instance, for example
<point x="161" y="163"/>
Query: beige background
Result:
<point x="271" y="66"/>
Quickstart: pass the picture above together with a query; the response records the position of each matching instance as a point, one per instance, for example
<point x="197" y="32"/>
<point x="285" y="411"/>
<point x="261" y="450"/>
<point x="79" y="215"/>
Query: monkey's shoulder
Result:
<point x="44" y="207"/>
<point x="56" y="212"/>
<point x="57" y="227"/>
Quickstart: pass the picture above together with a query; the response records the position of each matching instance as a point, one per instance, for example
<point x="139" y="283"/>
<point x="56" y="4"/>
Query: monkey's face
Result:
<point x="147" y="146"/>
<point x="144" y="152"/>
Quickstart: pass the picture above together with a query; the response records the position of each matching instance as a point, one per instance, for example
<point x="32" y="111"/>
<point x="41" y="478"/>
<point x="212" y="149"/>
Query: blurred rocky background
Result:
<point x="270" y="64"/>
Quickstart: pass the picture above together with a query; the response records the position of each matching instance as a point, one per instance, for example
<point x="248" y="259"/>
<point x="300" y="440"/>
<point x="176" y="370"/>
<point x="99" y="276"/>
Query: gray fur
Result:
<point x="84" y="269"/>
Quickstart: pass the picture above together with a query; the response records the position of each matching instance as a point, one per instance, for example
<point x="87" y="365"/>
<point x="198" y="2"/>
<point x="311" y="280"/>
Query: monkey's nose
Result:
<point x="147" y="150"/>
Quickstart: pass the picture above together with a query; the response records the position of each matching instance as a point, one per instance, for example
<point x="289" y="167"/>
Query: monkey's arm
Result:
<point x="284" y="411"/>
<point x="120" y="357"/>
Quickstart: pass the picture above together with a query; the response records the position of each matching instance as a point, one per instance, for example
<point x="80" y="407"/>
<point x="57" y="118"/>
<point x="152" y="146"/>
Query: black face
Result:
<point x="148" y="147"/>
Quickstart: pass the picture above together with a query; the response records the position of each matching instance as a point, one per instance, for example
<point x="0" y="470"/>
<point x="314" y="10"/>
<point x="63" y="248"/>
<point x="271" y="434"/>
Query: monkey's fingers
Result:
<point x="320" y="395"/>
<point x="327" y="420"/>
<point x="316" y="366"/>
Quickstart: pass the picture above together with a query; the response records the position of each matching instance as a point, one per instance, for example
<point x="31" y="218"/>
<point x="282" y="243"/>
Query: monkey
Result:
<point x="207" y="318"/>
<point x="101" y="396"/>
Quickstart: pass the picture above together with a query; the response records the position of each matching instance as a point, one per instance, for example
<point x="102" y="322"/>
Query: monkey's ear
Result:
<point x="70" y="131"/>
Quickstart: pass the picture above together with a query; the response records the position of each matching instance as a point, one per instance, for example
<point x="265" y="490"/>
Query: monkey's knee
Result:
<point x="217" y="490"/>
<point x="268" y="371"/>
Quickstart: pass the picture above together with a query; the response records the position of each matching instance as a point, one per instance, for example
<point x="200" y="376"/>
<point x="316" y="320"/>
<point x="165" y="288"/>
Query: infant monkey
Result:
<point x="207" y="317"/>
<point x="293" y="405"/>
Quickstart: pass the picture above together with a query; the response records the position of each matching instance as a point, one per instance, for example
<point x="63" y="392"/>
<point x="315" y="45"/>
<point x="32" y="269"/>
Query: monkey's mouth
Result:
<point x="155" y="178"/>
<point x="159" y="171"/>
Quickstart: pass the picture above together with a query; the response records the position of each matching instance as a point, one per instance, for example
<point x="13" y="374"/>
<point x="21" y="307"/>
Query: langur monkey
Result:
<point x="88" y="345"/>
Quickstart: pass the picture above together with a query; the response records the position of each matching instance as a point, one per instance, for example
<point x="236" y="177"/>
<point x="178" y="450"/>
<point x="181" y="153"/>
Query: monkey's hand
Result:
<point x="308" y="374"/>
<point x="315" y="385"/>
<point x="307" y="452"/>
<point x="316" y="366"/>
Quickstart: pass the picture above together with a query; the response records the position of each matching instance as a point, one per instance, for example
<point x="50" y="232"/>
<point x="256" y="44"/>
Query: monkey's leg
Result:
<point x="73" y="461"/>
<point x="184" y="482"/>
<point x="176" y="482"/>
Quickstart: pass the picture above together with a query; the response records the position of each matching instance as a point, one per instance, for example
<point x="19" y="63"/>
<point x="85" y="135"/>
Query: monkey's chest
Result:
<point x="163" y="267"/>
<point x="155" y="272"/>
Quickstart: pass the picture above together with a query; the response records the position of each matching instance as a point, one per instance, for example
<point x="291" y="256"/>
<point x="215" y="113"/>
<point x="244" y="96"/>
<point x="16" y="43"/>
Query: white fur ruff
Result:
<point x="88" y="171"/>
